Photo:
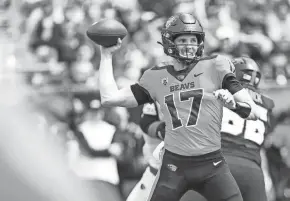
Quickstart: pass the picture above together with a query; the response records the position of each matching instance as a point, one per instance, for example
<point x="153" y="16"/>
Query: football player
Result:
<point x="242" y="139"/>
<point x="151" y="125"/>
<point x="184" y="88"/>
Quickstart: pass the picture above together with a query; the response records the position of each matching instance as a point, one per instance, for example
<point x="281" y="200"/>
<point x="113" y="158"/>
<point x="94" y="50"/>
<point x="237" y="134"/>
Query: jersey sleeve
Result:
<point x="224" y="68"/>
<point x="141" y="90"/>
<point x="146" y="82"/>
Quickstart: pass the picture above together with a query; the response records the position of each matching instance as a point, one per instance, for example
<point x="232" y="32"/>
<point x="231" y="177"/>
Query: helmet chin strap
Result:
<point x="186" y="60"/>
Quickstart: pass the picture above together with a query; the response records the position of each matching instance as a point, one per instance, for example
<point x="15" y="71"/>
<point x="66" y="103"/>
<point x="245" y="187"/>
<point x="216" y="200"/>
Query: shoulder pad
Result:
<point x="260" y="99"/>
<point x="268" y="103"/>
<point x="221" y="56"/>
<point x="208" y="57"/>
<point x="162" y="65"/>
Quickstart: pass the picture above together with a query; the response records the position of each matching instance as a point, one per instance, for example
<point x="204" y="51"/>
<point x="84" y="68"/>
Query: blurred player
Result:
<point x="150" y="125"/>
<point x="32" y="165"/>
<point x="242" y="139"/>
<point x="186" y="89"/>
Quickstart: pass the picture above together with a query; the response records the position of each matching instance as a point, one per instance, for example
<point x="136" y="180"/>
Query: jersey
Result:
<point x="242" y="137"/>
<point x="150" y="142"/>
<point x="191" y="112"/>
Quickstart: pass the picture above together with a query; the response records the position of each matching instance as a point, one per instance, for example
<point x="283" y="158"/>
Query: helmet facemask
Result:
<point x="188" y="54"/>
<point x="179" y="25"/>
<point x="250" y="78"/>
<point x="247" y="72"/>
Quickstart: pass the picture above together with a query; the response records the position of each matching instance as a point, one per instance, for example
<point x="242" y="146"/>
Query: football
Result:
<point x="106" y="32"/>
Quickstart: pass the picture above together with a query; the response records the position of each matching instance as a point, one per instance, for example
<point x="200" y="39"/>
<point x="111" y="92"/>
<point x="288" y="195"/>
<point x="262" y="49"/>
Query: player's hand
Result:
<point x="226" y="97"/>
<point x="112" y="49"/>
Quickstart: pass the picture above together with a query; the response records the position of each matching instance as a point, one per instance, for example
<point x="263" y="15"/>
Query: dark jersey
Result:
<point x="191" y="112"/>
<point x="242" y="137"/>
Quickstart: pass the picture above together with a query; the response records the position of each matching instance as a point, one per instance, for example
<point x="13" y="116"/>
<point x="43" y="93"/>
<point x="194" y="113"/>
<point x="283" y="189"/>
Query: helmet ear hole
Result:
<point x="199" y="38"/>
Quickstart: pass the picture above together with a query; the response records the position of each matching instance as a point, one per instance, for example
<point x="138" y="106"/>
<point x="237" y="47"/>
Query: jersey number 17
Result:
<point x="196" y="96"/>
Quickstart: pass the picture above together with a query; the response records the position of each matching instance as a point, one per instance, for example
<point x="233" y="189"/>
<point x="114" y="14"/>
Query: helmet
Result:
<point x="247" y="71"/>
<point x="177" y="25"/>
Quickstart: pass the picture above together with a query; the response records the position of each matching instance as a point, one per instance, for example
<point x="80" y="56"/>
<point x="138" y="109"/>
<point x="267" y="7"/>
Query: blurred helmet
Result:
<point x="247" y="71"/>
<point x="177" y="25"/>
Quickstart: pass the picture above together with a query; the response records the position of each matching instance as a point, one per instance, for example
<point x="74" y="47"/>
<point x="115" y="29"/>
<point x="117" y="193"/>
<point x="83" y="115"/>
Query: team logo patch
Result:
<point x="172" y="167"/>
<point x="170" y="21"/>
<point x="164" y="81"/>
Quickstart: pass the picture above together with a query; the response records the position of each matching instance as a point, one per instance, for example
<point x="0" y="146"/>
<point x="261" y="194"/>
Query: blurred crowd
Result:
<point x="60" y="65"/>
<point x="257" y="28"/>
<point x="254" y="28"/>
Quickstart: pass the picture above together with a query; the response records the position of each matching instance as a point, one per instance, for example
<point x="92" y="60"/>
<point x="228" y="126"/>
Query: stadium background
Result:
<point x="44" y="49"/>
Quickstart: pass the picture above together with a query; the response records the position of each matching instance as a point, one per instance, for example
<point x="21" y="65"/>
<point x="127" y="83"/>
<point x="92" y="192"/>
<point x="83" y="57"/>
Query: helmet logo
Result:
<point x="170" y="21"/>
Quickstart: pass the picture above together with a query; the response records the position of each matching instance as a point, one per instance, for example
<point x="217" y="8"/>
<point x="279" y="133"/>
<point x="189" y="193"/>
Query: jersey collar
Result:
<point x="182" y="74"/>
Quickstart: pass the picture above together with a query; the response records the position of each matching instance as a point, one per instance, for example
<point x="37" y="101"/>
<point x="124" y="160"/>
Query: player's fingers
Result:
<point x="118" y="45"/>
<point x="112" y="48"/>
<point x="230" y="101"/>
<point x="119" y="41"/>
<point x="226" y="93"/>
<point x="217" y="93"/>
<point x="223" y="95"/>
<point x="227" y="99"/>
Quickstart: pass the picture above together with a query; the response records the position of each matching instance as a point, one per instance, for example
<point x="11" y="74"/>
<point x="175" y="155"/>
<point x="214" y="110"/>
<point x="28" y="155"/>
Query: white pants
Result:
<point x="142" y="189"/>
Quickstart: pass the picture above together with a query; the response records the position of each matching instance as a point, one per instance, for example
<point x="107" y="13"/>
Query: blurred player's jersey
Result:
<point x="191" y="112"/>
<point x="150" y="142"/>
<point x="244" y="137"/>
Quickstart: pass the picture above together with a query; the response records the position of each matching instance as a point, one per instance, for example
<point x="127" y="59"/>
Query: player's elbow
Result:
<point x="243" y="109"/>
<point x="249" y="111"/>
<point x="157" y="129"/>
<point x="255" y="113"/>
<point x="114" y="102"/>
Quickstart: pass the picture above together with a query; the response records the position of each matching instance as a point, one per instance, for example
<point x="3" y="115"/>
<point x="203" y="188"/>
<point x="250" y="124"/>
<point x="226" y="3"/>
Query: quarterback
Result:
<point x="186" y="89"/>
